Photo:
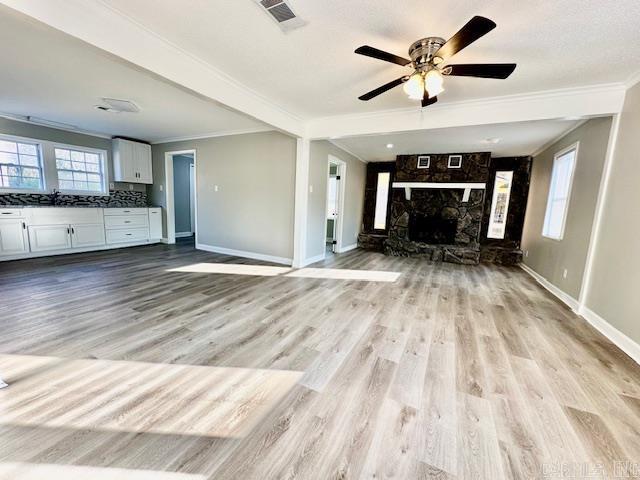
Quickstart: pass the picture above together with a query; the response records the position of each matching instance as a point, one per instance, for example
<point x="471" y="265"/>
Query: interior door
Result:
<point x="87" y="235"/>
<point x="13" y="237"/>
<point x="49" y="237"/>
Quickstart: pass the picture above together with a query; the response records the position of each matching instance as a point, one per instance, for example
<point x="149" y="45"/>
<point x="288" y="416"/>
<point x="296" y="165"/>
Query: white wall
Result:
<point x="252" y="211"/>
<point x="614" y="293"/>
<point x="354" y="196"/>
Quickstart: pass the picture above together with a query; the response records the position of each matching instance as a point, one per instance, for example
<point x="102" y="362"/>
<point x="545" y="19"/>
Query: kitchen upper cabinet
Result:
<point x="132" y="161"/>
<point x="49" y="237"/>
<point x="13" y="237"/>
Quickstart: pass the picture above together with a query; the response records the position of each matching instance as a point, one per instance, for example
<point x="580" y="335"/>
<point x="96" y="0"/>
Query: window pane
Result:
<point x="382" y="199"/>
<point x="62" y="154"/>
<point x="79" y="170"/>
<point x="8" y="157"/>
<point x="559" y="190"/>
<point x="27" y="149"/>
<point x="8" y="146"/>
<point x="500" y="205"/>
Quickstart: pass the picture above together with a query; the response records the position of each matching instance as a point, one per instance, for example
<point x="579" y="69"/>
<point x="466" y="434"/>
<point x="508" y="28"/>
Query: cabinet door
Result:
<point x="13" y="237"/>
<point x="143" y="162"/>
<point x="124" y="161"/>
<point x="87" y="235"/>
<point x="49" y="237"/>
<point x="155" y="223"/>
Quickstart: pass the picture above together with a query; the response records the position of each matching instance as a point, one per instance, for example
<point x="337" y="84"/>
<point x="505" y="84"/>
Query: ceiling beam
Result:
<point x="557" y="104"/>
<point x="98" y="24"/>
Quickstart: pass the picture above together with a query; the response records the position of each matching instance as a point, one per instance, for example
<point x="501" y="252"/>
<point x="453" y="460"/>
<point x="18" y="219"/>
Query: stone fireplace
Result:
<point x="437" y="212"/>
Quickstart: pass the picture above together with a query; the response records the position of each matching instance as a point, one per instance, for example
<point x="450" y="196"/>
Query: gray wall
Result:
<point x="550" y="257"/>
<point x="354" y="196"/>
<point x="182" y="192"/>
<point x="253" y="209"/>
<point x="615" y="281"/>
<point x="29" y="130"/>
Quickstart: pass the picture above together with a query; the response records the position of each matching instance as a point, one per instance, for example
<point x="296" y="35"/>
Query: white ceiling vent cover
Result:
<point x="281" y="12"/>
<point x="121" y="105"/>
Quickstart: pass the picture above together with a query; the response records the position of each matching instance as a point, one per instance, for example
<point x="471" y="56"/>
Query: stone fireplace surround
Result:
<point x="443" y="205"/>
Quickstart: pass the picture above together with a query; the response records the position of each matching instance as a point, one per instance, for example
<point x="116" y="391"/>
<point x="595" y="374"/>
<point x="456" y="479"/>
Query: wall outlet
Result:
<point x="161" y="187"/>
<point x="310" y="188"/>
<point x="564" y="273"/>
<point x="112" y="186"/>
<point x="131" y="186"/>
<point x="526" y="253"/>
<point x="215" y="188"/>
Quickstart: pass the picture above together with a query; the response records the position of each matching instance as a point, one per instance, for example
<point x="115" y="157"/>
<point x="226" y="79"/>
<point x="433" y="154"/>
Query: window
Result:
<point x="20" y="165"/>
<point x="500" y="205"/>
<point x="455" y="161"/>
<point x="559" y="193"/>
<point x="382" y="200"/>
<point x="424" y="161"/>
<point x="80" y="170"/>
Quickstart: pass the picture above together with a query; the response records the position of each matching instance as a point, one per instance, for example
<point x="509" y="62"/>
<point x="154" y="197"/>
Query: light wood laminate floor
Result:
<point x="169" y="363"/>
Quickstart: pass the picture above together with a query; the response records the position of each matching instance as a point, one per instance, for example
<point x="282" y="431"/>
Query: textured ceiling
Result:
<point x="313" y="71"/>
<point x="522" y="138"/>
<point x="51" y="75"/>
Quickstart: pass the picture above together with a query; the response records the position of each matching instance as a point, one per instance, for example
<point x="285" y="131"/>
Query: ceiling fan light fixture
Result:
<point x="414" y="87"/>
<point x="433" y="82"/>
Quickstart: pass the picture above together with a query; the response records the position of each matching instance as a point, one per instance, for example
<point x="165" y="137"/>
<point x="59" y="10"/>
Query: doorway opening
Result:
<point x="335" y="204"/>
<point x="181" y="194"/>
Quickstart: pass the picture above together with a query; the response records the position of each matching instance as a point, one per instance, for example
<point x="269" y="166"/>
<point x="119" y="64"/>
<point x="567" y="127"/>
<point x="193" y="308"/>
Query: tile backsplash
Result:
<point x="116" y="198"/>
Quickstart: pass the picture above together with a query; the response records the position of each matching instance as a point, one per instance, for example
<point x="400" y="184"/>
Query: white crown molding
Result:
<point x="346" y="150"/>
<point x="541" y="149"/>
<point x="103" y="26"/>
<point x="24" y="119"/>
<point x="204" y="136"/>
<point x="596" y="100"/>
<point x="632" y="80"/>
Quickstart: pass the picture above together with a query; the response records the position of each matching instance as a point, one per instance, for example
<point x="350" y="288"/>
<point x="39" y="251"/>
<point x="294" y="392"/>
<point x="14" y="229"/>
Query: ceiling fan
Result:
<point x="428" y="57"/>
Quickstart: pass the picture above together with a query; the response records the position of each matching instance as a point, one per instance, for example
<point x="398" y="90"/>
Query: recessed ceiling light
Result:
<point x="389" y="145"/>
<point x="490" y="141"/>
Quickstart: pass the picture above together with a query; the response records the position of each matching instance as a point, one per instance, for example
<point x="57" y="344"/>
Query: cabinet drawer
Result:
<point x="128" y="235"/>
<point x="125" y="221"/>
<point x="11" y="212"/>
<point x="125" y="211"/>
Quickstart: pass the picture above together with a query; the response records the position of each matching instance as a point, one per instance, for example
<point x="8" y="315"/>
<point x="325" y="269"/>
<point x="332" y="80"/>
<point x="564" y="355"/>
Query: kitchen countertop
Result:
<point x="71" y="206"/>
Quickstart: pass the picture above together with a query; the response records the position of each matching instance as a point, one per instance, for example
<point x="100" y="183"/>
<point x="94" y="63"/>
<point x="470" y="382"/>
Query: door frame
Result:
<point x="339" y="224"/>
<point x="192" y="196"/>
<point x="170" y="194"/>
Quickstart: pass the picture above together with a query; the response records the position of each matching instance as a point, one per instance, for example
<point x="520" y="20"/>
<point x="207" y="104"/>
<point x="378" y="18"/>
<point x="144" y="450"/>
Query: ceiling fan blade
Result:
<point x="426" y="101"/>
<point x="474" y="29"/>
<point x="482" y="70"/>
<point x="383" y="88"/>
<point x="368" y="51"/>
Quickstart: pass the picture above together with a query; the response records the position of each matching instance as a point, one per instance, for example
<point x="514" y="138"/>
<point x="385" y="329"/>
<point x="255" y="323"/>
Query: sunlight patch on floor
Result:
<point x="47" y="471"/>
<point x="233" y="269"/>
<point x="126" y="396"/>
<point x="269" y="271"/>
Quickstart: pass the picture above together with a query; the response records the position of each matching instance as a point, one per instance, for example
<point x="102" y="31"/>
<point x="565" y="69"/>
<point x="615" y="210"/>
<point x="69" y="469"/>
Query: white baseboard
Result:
<point x="348" y="248"/>
<point x="623" y="342"/>
<point x="165" y="241"/>
<point x="616" y="337"/>
<point x="184" y="234"/>
<point x="71" y="251"/>
<point x="571" y="302"/>
<point x="317" y="258"/>
<point x="243" y="254"/>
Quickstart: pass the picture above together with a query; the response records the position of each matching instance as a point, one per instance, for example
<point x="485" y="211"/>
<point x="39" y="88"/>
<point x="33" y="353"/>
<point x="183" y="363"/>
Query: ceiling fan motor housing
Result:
<point x="422" y="52"/>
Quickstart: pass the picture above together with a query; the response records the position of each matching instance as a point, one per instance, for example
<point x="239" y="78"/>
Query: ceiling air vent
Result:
<point x="282" y="13"/>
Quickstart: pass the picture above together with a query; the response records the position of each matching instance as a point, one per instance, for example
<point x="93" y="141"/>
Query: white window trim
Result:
<point x="428" y="157"/>
<point x="565" y="215"/>
<point x="454" y="156"/>
<point x="105" y="169"/>
<point x="43" y="168"/>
